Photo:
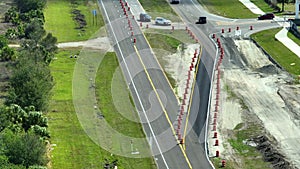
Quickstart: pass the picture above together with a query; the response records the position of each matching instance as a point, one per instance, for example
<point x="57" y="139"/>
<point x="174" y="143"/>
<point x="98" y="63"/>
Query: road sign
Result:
<point x="94" y="12"/>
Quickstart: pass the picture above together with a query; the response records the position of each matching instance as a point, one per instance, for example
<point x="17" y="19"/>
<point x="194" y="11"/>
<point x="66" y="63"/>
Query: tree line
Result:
<point x="23" y="125"/>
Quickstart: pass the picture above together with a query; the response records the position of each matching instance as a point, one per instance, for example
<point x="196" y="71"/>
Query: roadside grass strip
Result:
<point x="227" y="9"/>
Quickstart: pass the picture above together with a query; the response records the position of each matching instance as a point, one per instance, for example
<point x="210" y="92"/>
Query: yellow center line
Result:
<point x="161" y="104"/>
<point x="191" y="98"/>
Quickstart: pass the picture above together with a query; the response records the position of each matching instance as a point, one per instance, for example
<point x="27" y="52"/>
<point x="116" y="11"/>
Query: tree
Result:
<point x="35" y="30"/>
<point x="24" y="149"/>
<point x="26" y="120"/>
<point x="3" y="41"/>
<point x="27" y="5"/>
<point x="7" y="54"/>
<point x="11" y="15"/>
<point x="11" y="33"/>
<point x="31" y="84"/>
<point x="28" y="16"/>
<point x="48" y="44"/>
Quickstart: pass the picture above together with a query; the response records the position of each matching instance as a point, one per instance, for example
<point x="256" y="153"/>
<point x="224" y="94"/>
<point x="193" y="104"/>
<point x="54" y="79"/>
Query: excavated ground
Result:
<point x="265" y="93"/>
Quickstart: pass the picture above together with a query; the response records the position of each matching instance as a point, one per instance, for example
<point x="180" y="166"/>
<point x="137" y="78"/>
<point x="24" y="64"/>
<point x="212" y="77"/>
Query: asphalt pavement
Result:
<point x="155" y="100"/>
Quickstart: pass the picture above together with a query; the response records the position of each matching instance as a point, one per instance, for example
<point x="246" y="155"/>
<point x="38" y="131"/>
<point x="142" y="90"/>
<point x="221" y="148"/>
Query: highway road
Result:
<point x="155" y="100"/>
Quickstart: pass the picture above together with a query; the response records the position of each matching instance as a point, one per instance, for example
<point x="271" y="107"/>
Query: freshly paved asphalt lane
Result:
<point x="154" y="98"/>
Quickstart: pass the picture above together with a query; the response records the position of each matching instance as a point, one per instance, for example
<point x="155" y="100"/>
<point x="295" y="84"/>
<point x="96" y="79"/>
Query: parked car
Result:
<point x="145" y="17"/>
<point x="162" y="21"/>
<point x="266" y="16"/>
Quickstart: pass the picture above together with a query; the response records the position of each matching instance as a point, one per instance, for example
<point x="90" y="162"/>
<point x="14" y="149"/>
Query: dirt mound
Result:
<point x="270" y="154"/>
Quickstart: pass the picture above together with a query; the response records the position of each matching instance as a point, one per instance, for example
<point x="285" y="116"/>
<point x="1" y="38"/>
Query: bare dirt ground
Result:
<point x="266" y="95"/>
<point x="177" y="65"/>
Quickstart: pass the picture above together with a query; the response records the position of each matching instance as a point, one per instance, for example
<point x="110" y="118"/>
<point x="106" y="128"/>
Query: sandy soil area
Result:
<point x="269" y="95"/>
<point x="177" y="65"/>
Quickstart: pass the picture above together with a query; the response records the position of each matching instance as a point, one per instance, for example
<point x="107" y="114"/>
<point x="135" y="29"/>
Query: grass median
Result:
<point x="111" y="106"/>
<point x="60" y="23"/>
<point x="73" y="148"/>
<point x="286" y="58"/>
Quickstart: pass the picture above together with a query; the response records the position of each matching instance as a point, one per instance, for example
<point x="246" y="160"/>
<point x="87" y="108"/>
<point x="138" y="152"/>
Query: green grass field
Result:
<point x="286" y="58"/>
<point x="74" y="149"/>
<point x="227" y="9"/>
<point x="60" y="23"/>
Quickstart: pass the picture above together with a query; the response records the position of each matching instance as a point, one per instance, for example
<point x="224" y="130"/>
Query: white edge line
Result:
<point x="109" y="22"/>
<point x="209" y="102"/>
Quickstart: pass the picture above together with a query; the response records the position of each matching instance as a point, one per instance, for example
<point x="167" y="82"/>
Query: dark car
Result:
<point x="266" y="16"/>
<point x="145" y="17"/>
<point x="174" y="1"/>
<point x="202" y="20"/>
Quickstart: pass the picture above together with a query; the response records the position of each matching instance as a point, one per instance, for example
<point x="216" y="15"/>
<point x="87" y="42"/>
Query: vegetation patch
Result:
<point x="240" y="142"/>
<point x="286" y="58"/>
